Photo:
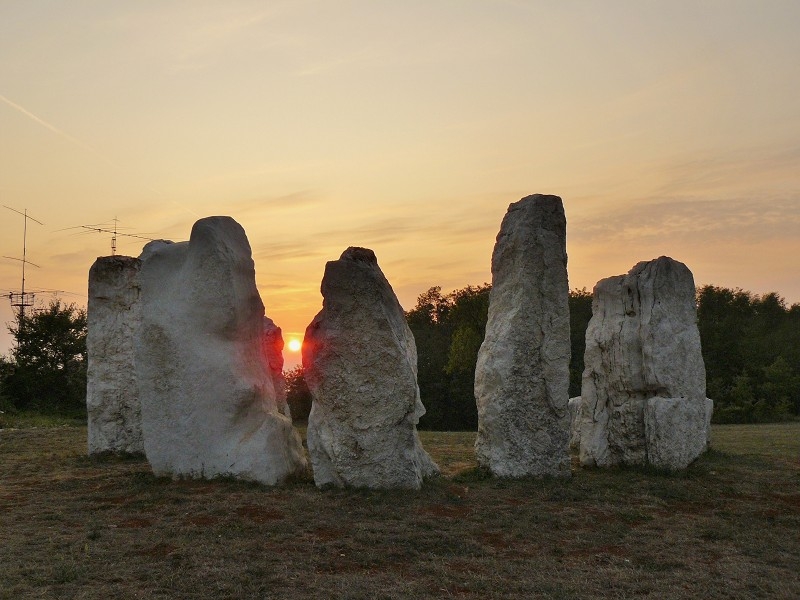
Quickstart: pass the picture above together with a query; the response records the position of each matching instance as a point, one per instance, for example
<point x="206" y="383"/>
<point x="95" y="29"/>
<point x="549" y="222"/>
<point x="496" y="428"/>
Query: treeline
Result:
<point x="751" y="348"/>
<point x="449" y="330"/>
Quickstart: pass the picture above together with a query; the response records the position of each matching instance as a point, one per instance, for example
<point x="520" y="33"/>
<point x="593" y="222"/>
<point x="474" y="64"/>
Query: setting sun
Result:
<point x="294" y="345"/>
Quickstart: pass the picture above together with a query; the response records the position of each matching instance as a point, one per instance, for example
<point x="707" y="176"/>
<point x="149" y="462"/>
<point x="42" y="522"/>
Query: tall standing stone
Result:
<point x="360" y="364"/>
<point x="209" y="404"/>
<point x="272" y="344"/>
<point x="643" y="388"/>
<point x="112" y="395"/>
<point x="522" y="373"/>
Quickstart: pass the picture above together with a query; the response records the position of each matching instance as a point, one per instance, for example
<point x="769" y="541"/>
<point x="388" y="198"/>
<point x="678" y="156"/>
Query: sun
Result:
<point x="294" y="345"/>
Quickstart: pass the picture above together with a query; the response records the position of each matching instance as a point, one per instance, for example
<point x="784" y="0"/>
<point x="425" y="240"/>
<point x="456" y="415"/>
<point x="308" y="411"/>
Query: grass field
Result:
<point x="729" y="527"/>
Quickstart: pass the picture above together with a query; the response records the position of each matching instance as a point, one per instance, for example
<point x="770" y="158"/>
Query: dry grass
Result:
<point x="73" y="527"/>
<point x="779" y="441"/>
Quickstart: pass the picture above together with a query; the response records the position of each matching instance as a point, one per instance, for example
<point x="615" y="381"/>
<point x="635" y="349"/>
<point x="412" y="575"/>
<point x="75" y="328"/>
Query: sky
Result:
<point x="668" y="128"/>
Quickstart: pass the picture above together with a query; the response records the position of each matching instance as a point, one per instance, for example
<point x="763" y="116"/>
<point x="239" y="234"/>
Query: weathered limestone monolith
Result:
<point x="360" y="364"/>
<point x="522" y="373"/>
<point x="644" y="384"/>
<point x="112" y="395"/>
<point x="272" y="344"/>
<point x="209" y="405"/>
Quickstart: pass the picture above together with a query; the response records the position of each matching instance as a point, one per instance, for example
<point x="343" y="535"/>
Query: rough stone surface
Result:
<point x="209" y="405"/>
<point x="360" y="364"/>
<point x="642" y="343"/>
<point x="112" y="396"/>
<point x="272" y="345"/>
<point x="575" y="409"/>
<point x="522" y="373"/>
<point x="675" y="431"/>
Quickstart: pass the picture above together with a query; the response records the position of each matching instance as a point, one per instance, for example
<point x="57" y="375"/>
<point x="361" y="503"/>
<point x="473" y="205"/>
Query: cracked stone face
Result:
<point x="360" y="364"/>
<point x="112" y="394"/>
<point x="522" y="373"/>
<point x="643" y="387"/>
<point x="210" y="406"/>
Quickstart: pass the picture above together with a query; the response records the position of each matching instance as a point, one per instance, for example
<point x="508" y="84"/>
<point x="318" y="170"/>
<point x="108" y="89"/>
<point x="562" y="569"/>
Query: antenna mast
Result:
<point x="115" y="233"/>
<point x="21" y="300"/>
<point x="114" y="238"/>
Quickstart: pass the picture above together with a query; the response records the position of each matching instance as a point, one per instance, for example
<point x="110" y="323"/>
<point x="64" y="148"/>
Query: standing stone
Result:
<point x="644" y="382"/>
<point x="675" y="431"/>
<point x="112" y="396"/>
<point x="209" y="405"/>
<point x="522" y="373"/>
<point x="272" y="345"/>
<point x="360" y="364"/>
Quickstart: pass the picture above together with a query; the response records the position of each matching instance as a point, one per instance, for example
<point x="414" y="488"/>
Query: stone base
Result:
<point x="676" y="431"/>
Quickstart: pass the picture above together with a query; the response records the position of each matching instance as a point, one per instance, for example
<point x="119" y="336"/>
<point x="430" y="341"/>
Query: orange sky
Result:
<point x="406" y="127"/>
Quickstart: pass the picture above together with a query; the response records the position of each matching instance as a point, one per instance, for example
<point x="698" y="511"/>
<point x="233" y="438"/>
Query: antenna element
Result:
<point x="22" y="299"/>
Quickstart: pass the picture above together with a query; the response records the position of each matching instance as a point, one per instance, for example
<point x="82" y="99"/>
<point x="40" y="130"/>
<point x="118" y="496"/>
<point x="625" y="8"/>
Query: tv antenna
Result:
<point x="113" y="230"/>
<point x="22" y="299"/>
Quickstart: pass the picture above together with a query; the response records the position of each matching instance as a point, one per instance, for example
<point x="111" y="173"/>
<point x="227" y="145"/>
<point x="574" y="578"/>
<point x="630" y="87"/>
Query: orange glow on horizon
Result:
<point x="409" y="142"/>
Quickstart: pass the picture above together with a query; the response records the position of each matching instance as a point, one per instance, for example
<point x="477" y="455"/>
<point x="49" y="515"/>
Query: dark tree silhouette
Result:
<point x="46" y="370"/>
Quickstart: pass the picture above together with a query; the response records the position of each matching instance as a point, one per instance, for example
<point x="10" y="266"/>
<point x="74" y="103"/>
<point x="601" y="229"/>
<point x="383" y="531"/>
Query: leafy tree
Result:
<point x="448" y="330"/>
<point x="580" y="312"/>
<point x="463" y="353"/>
<point x="751" y="352"/>
<point x="780" y="390"/>
<point x="722" y="315"/>
<point x="6" y="367"/>
<point x="47" y="367"/>
<point x="298" y="395"/>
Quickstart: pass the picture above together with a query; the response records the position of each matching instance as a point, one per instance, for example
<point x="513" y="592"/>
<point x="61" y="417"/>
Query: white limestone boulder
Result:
<point x="522" y="372"/>
<point x="642" y="343"/>
<point x="209" y="404"/>
<point x="360" y="364"/>
<point x="675" y="431"/>
<point x="112" y="395"/>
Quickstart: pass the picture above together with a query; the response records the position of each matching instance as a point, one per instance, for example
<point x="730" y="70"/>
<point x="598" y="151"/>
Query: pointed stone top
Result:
<point x="359" y="254"/>
<point x="543" y="199"/>
<point x="540" y="197"/>
<point x="664" y="267"/>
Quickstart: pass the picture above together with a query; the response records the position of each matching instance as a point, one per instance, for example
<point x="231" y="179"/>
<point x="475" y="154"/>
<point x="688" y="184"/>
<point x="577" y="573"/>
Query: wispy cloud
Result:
<point x="752" y="167"/>
<point x="284" y="251"/>
<point x="193" y="40"/>
<point x="300" y="199"/>
<point x="54" y="129"/>
<point x="75" y="257"/>
<point x="84" y="146"/>
<point x="203" y="42"/>
<point x="745" y="219"/>
<point x="361" y="57"/>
